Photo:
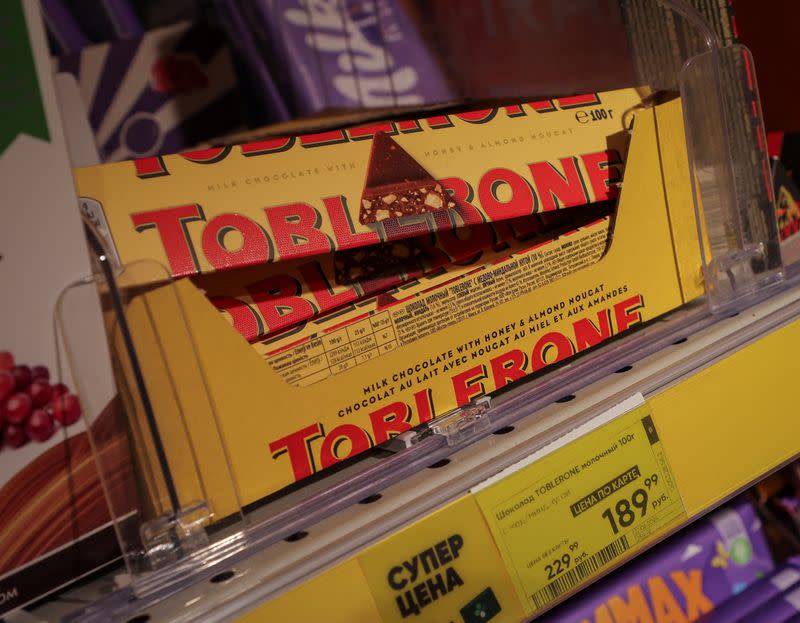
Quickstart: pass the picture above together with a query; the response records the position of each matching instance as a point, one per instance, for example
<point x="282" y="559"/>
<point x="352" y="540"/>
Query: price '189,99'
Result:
<point x="624" y="514"/>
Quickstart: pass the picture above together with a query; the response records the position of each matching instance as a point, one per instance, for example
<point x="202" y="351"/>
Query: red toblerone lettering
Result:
<point x="391" y="420"/>
<point x="549" y="343"/>
<point x="269" y="146"/>
<point x="603" y="171"/>
<point x="515" y="111"/>
<point x="557" y="190"/>
<point x="296" y="230"/>
<point x="477" y="116"/>
<point x="347" y="440"/>
<point x="543" y="106"/>
<point x="152" y="166"/>
<point x="424" y="402"/>
<point x="323" y="138"/>
<point x="576" y="101"/>
<point x="408" y="125"/>
<point x="587" y="334"/>
<point x="298" y="448"/>
<point x="342" y="224"/>
<point x="550" y="348"/>
<point x="369" y="131"/>
<point x="279" y="301"/>
<point x="627" y="314"/>
<point x="245" y="319"/>
<point x="322" y="290"/>
<point x="469" y="384"/>
<point x="397" y="417"/>
<point x="438" y="122"/>
<point x="462" y="194"/>
<point x="342" y="442"/>
<point x="506" y="194"/>
<point x="282" y="299"/>
<point x="170" y="223"/>
<point x="255" y="247"/>
<point x="508" y="367"/>
<point x="211" y="155"/>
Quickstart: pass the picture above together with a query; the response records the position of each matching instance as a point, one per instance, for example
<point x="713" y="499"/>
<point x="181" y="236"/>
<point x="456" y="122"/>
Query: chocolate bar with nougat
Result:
<point x="294" y="197"/>
<point x="378" y="260"/>
<point x="397" y="185"/>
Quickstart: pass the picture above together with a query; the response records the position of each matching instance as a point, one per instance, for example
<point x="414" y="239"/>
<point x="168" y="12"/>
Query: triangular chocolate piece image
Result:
<point x="397" y="185"/>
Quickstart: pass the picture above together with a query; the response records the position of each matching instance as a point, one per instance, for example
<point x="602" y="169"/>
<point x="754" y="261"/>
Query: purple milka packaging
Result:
<point x="172" y="89"/>
<point x="755" y="596"/>
<point x="107" y="20"/>
<point x="682" y="578"/>
<point x="346" y="54"/>
<point x="270" y="106"/>
<point x="785" y="607"/>
<point x="66" y="36"/>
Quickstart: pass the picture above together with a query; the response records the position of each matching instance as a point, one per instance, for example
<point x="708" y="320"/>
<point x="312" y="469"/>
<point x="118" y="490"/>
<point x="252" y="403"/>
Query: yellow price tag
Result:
<point x="560" y="519"/>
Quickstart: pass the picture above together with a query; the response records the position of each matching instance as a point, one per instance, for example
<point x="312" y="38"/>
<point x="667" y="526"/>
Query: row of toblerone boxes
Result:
<point x="346" y="286"/>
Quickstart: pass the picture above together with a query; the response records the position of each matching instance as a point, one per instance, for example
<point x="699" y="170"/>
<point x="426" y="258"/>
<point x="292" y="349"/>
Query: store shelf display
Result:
<point x="290" y="316"/>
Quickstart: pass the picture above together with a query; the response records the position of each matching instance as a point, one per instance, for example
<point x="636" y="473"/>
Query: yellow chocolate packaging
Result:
<point x="328" y="388"/>
<point x="285" y="198"/>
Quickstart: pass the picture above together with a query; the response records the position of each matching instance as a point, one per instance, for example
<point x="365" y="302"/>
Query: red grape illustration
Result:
<point x="18" y="408"/>
<point x="22" y="375"/>
<point x="6" y="360"/>
<point x="7" y="384"/>
<point x="14" y="436"/>
<point x="40" y="392"/>
<point x="40" y="426"/>
<point x="40" y="372"/>
<point x="31" y="409"/>
<point x="59" y="389"/>
<point x="66" y="409"/>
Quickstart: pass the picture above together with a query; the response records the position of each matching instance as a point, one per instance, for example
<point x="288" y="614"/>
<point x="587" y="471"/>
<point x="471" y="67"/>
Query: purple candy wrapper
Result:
<point x="66" y="36"/>
<point x="682" y="578"/>
<point x="780" y="609"/>
<point x="347" y="54"/>
<point x="271" y="49"/>
<point x="754" y="596"/>
<point x="271" y="107"/>
<point x="107" y="20"/>
<point x="169" y="90"/>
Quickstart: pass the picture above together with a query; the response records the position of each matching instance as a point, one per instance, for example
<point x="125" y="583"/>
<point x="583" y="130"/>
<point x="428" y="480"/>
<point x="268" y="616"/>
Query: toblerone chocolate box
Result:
<point x="285" y="198"/>
<point x="461" y="337"/>
<point x="283" y="297"/>
<point x="341" y="340"/>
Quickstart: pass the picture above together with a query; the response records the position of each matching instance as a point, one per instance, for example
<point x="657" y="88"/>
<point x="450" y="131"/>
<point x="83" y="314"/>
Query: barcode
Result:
<point x="580" y="572"/>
